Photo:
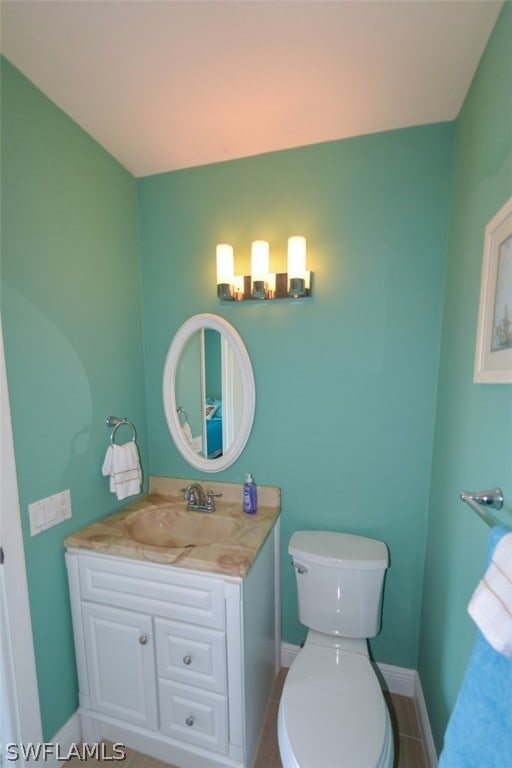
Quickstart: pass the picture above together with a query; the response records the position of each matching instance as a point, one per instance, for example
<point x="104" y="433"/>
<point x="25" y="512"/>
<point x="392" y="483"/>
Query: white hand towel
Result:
<point x="122" y="464"/>
<point x="187" y="433"/>
<point x="491" y="604"/>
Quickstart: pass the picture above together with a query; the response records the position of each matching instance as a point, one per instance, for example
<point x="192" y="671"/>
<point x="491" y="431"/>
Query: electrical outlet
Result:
<point x="45" y="513"/>
<point x="64" y="505"/>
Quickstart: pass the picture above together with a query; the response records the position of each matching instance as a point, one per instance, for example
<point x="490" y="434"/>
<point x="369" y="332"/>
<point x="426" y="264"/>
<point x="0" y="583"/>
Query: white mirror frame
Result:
<point x="180" y="340"/>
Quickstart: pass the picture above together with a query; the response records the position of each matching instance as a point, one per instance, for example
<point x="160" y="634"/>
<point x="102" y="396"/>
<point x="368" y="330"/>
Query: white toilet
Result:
<point x="332" y="712"/>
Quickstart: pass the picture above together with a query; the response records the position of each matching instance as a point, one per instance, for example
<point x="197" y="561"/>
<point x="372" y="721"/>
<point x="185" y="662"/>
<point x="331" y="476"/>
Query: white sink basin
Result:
<point x="168" y="527"/>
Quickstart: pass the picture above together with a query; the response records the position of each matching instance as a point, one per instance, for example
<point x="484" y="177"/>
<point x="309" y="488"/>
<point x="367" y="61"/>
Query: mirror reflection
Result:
<point x="209" y="392"/>
<point x="213" y="394"/>
<point x="209" y="408"/>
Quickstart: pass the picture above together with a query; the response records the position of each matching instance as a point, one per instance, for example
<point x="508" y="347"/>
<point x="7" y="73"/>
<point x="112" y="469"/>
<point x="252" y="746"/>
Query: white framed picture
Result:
<point x="493" y="357"/>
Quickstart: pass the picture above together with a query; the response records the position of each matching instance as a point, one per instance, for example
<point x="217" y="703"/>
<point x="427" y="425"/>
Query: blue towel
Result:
<point x="479" y="732"/>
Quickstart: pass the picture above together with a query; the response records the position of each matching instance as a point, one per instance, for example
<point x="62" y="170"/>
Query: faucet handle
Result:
<point x="210" y="500"/>
<point x="189" y="494"/>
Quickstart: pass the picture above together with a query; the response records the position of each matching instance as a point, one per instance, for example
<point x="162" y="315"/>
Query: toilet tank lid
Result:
<point x="342" y="550"/>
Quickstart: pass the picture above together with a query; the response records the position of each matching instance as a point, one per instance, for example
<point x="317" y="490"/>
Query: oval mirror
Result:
<point x="208" y="392"/>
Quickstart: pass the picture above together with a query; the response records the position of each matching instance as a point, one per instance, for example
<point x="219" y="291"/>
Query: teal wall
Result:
<point x="73" y="343"/>
<point x="473" y="438"/>
<point x="345" y="382"/>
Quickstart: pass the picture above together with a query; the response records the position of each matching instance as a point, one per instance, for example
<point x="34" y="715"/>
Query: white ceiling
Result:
<point x="164" y="85"/>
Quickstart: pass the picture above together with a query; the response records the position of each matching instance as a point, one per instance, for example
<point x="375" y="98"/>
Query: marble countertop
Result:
<point x="232" y="557"/>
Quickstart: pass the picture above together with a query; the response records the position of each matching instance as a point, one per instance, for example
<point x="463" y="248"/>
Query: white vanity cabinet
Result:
<point x="175" y="663"/>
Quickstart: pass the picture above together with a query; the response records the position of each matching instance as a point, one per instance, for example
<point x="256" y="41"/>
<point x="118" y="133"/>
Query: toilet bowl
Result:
<point x="332" y="713"/>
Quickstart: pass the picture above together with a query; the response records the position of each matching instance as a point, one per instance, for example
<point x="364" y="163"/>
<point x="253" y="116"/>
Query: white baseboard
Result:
<point x="426" y="732"/>
<point x="288" y="654"/>
<point x="63" y="741"/>
<point x="400" y="680"/>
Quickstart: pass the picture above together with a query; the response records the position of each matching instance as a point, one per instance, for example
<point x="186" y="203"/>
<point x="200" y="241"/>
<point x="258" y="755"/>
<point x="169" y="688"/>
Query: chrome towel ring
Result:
<point x="116" y="422"/>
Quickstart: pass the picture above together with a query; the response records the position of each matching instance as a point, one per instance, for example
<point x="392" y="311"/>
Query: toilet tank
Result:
<point x="339" y="581"/>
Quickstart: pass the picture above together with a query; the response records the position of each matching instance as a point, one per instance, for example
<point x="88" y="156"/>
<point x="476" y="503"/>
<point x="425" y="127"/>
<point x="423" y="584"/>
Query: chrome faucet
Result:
<point x="197" y="500"/>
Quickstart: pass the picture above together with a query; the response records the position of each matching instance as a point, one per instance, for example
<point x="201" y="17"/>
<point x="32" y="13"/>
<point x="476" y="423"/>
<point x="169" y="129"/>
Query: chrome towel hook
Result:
<point x="116" y="422"/>
<point x="491" y="498"/>
<point x="482" y="501"/>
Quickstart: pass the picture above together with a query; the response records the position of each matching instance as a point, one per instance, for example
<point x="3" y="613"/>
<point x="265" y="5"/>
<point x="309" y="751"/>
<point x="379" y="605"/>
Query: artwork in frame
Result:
<point x="493" y="358"/>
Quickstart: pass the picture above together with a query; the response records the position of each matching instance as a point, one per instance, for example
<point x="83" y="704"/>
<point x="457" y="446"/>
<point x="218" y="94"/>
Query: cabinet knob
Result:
<point x="143" y="639"/>
<point x="187" y="660"/>
<point x="189" y="720"/>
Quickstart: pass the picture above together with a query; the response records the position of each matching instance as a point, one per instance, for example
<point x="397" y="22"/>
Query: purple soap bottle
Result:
<point x="250" y="498"/>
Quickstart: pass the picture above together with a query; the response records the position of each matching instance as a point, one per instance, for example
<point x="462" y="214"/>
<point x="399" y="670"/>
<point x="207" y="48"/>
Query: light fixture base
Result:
<point x="297" y="287"/>
<point x="259" y="290"/>
<point x="225" y="292"/>
<point x="282" y="289"/>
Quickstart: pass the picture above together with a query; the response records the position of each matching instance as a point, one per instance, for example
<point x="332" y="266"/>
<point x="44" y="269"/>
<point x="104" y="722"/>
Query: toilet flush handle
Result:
<point x="299" y="568"/>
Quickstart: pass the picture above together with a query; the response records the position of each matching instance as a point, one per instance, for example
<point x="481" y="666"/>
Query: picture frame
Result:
<point x="493" y="355"/>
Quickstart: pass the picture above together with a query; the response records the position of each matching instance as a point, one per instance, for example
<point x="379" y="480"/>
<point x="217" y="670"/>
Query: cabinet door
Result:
<point x="119" y="649"/>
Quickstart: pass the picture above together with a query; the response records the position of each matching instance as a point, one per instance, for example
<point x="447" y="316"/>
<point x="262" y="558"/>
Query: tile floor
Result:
<point x="409" y="752"/>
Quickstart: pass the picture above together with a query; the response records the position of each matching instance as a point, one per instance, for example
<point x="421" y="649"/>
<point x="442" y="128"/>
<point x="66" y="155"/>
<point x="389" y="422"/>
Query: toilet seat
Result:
<point x="332" y="712"/>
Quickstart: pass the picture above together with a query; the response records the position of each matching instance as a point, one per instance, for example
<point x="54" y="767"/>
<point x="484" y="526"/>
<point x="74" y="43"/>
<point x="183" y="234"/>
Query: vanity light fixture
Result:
<point x="261" y="283"/>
